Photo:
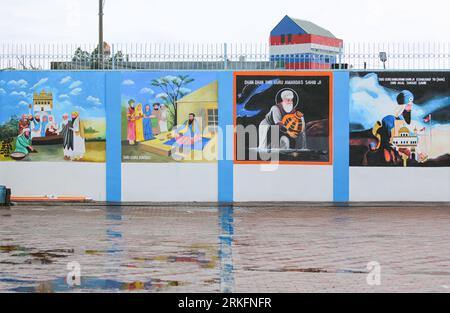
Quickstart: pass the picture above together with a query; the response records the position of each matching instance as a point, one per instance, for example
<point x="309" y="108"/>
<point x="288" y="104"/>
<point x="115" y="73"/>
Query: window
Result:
<point x="289" y="38"/>
<point x="212" y="119"/>
<point x="283" y="39"/>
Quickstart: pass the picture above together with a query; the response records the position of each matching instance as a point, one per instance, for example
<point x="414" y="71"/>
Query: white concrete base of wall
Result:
<point x="71" y="179"/>
<point x="169" y="182"/>
<point x="287" y="183"/>
<point x="399" y="184"/>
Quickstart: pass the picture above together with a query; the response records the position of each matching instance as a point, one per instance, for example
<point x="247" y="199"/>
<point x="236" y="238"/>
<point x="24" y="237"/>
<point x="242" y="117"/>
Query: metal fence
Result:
<point x="246" y="56"/>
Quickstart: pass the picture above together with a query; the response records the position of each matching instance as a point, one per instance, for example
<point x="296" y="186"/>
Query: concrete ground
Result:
<point x="241" y="249"/>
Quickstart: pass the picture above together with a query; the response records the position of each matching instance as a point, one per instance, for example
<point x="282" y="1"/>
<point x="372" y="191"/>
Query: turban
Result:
<point x="287" y="95"/>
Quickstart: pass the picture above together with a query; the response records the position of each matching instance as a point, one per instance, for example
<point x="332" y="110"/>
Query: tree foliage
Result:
<point x="81" y="56"/>
<point x="173" y="89"/>
<point x="10" y="128"/>
<point x="85" y="57"/>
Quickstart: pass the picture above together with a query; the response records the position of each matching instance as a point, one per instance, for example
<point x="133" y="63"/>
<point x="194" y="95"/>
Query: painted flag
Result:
<point x="423" y="129"/>
<point x="427" y="119"/>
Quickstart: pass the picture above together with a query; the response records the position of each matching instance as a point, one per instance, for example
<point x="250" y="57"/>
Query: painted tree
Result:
<point x="10" y="128"/>
<point x="173" y="89"/>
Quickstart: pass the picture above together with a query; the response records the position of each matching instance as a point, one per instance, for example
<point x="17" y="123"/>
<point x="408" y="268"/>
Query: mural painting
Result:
<point x="169" y="117"/>
<point x="400" y="119"/>
<point x="52" y="117"/>
<point x="286" y="113"/>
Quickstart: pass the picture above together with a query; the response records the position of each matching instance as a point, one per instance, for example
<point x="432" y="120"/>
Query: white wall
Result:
<point x="173" y="182"/>
<point x="169" y="182"/>
<point x="72" y="179"/>
<point x="399" y="184"/>
<point x="287" y="183"/>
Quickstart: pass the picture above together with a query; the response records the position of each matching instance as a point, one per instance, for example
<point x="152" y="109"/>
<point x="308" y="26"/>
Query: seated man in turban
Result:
<point x="189" y="132"/>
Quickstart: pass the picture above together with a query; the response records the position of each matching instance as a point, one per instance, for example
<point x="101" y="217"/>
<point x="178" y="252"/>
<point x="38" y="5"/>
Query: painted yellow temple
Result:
<point x="42" y="103"/>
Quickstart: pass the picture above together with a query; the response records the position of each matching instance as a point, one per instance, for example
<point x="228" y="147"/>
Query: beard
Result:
<point x="288" y="108"/>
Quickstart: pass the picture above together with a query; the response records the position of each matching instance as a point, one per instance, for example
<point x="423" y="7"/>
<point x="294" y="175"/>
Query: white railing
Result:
<point x="246" y="56"/>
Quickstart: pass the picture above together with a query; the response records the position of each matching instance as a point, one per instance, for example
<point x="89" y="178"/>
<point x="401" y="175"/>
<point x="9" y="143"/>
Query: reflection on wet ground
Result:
<point x="145" y="249"/>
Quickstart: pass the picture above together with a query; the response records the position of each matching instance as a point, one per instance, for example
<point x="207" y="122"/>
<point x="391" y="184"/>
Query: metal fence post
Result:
<point x="113" y="57"/>
<point x="225" y="56"/>
<point x="402" y="56"/>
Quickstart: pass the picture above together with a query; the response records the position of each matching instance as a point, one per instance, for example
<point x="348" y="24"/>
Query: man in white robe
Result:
<point x="79" y="147"/>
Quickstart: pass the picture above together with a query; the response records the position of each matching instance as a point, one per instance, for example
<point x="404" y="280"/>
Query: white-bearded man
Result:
<point x="275" y="118"/>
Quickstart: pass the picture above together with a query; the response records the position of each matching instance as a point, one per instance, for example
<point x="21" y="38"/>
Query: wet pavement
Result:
<point x="194" y="249"/>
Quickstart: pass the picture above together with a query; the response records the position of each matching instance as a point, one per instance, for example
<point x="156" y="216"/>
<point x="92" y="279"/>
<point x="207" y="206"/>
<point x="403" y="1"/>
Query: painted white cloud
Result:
<point x="185" y="90"/>
<point x="75" y="84"/>
<point x="2" y="82"/>
<point x="369" y="101"/>
<point x="24" y="103"/>
<point x="19" y="94"/>
<point x="128" y="82"/>
<point x="40" y="83"/>
<point x="18" y="83"/>
<point x="76" y="91"/>
<point x="171" y="78"/>
<point x="94" y="100"/>
<point x="147" y="91"/>
<point x="65" y="80"/>
<point x="2" y="91"/>
<point x="23" y="83"/>
<point x="64" y="97"/>
<point x="431" y="106"/>
<point x="162" y="95"/>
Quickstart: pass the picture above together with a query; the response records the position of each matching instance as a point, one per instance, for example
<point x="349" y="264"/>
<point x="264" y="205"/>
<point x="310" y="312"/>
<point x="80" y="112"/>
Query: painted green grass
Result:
<point x="95" y="152"/>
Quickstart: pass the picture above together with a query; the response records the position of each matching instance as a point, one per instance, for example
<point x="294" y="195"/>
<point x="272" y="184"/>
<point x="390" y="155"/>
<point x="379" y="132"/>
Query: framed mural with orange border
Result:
<point x="283" y="117"/>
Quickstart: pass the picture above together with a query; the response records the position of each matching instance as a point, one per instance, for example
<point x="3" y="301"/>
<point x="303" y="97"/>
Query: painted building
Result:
<point x="42" y="103"/>
<point x="403" y="139"/>
<point x="301" y="44"/>
<point x="204" y="104"/>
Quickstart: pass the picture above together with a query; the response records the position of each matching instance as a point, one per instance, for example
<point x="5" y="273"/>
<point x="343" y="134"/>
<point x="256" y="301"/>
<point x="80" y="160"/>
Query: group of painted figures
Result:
<point x="45" y="127"/>
<point x="144" y="125"/>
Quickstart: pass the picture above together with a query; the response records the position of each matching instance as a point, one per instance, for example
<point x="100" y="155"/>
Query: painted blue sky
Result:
<point x="371" y="102"/>
<point x="74" y="91"/>
<point x="138" y="86"/>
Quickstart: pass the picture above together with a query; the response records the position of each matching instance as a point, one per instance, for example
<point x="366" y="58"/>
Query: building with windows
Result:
<point x="404" y="139"/>
<point x="204" y="104"/>
<point x="42" y="103"/>
<point x="300" y="44"/>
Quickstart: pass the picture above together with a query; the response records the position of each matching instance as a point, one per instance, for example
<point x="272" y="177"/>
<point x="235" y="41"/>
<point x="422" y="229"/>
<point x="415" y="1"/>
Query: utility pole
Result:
<point x="100" y="30"/>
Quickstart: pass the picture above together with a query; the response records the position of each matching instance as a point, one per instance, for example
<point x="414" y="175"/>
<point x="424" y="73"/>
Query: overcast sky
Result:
<point x="64" y="21"/>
